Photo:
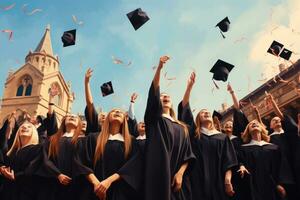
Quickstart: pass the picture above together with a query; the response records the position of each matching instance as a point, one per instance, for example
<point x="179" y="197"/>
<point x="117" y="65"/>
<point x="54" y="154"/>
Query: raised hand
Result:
<point x="191" y="80"/>
<point x="163" y="60"/>
<point x="133" y="97"/>
<point x="229" y="88"/>
<point x="88" y="75"/>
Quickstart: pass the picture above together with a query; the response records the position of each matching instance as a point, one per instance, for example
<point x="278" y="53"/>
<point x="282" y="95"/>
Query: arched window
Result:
<point x="25" y="86"/>
<point x="28" y="90"/>
<point x="20" y="90"/>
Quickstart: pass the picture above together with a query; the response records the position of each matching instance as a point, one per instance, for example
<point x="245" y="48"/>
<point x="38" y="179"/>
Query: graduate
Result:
<point x="20" y="184"/>
<point x="287" y="141"/>
<point x="61" y="163"/>
<point x="212" y="173"/>
<point x="114" y="158"/>
<point x="262" y="159"/>
<point x="168" y="152"/>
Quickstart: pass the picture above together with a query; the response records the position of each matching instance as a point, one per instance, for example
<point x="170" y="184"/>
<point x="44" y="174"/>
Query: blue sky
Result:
<point x="183" y="30"/>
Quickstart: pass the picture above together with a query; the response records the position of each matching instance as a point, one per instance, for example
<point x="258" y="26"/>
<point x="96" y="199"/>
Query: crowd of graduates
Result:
<point x="112" y="156"/>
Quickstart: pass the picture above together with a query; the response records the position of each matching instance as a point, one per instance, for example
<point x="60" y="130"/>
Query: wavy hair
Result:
<point x="246" y="136"/>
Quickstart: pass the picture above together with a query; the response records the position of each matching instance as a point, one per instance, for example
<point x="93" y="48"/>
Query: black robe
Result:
<point x="66" y="162"/>
<point x="113" y="161"/>
<point x="215" y="155"/>
<point x="48" y="127"/>
<point x="291" y="130"/>
<point x="92" y="124"/>
<point x="26" y="185"/>
<point x="263" y="164"/>
<point x="167" y="149"/>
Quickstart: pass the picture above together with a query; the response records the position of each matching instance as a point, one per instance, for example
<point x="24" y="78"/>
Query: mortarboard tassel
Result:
<point x="215" y="84"/>
<point x="222" y="34"/>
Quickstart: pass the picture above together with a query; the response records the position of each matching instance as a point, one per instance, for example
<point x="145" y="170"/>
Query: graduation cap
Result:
<point x="223" y="26"/>
<point x="107" y="89"/>
<point x="275" y="48"/>
<point x="221" y="70"/>
<point x="137" y="18"/>
<point x="218" y="115"/>
<point x="285" y="54"/>
<point x="69" y="38"/>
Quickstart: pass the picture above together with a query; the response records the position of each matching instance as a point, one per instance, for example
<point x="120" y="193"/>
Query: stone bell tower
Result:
<point x="27" y="88"/>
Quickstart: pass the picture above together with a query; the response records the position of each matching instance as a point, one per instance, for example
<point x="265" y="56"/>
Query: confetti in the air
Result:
<point x="76" y="21"/>
<point x="9" y="7"/>
<point x="24" y="9"/>
<point x="9" y="32"/>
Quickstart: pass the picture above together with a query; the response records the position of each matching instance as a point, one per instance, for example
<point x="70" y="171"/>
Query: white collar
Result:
<point x="141" y="137"/>
<point x="232" y="137"/>
<point x="66" y="134"/>
<point x="257" y="143"/>
<point x="209" y="132"/>
<point x="117" y="136"/>
<point x="277" y="133"/>
<point x="169" y="117"/>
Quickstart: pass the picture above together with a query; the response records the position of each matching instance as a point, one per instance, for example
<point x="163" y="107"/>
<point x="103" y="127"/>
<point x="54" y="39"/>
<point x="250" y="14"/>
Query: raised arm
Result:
<point x="88" y="93"/>
<point x="184" y="111"/>
<point x="132" y="123"/>
<point x="153" y="108"/>
<point x="270" y="100"/>
<point x="233" y="96"/>
<point x="189" y="87"/>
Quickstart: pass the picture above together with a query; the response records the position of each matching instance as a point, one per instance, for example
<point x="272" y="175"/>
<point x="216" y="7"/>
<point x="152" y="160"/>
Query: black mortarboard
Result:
<point x="137" y="18"/>
<point x="285" y="54"/>
<point x="69" y="38"/>
<point x="224" y="25"/>
<point x="107" y="89"/>
<point x="221" y="70"/>
<point x="275" y="48"/>
<point x="218" y="115"/>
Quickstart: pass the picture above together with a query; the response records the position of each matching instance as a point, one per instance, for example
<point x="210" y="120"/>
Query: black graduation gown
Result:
<point x="48" y="127"/>
<point x="26" y="185"/>
<point x="263" y="164"/>
<point x="215" y="155"/>
<point x="291" y="130"/>
<point x="67" y="162"/>
<point x="92" y="124"/>
<point x="129" y="169"/>
<point x="167" y="149"/>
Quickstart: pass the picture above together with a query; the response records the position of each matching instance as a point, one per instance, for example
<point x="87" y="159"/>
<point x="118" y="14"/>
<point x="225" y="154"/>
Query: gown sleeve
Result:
<point x="2" y="135"/>
<point x="132" y="171"/>
<point x="132" y="126"/>
<point x="240" y="122"/>
<point x="51" y="124"/>
<point x="185" y="114"/>
<point x="49" y="169"/>
<point x="289" y="126"/>
<point x="92" y="124"/>
<point x="229" y="158"/>
<point x="154" y="107"/>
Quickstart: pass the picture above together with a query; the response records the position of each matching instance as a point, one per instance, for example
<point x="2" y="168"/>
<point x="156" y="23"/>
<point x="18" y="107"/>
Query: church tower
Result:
<point x="27" y="88"/>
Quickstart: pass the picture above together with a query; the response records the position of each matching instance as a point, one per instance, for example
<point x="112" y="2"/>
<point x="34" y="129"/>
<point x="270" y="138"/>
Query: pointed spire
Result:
<point x="45" y="43"/>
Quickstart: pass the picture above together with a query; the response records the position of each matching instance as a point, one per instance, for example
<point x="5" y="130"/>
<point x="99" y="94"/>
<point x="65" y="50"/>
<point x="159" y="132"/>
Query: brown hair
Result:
<point x="198" y="125"/>
<point x="104" y="134"/>
<point x="34" y="139"/>
<point x="246" y="136"/>
<point x="54" y="139"/>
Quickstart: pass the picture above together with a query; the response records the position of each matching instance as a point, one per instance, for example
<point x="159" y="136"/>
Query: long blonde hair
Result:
<point x="104" y="135"/>
<point x="199" y="125"/>
<point x="54" y="139"/>
<point x="17" y="144"/>
<point x="246" y="136"/>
